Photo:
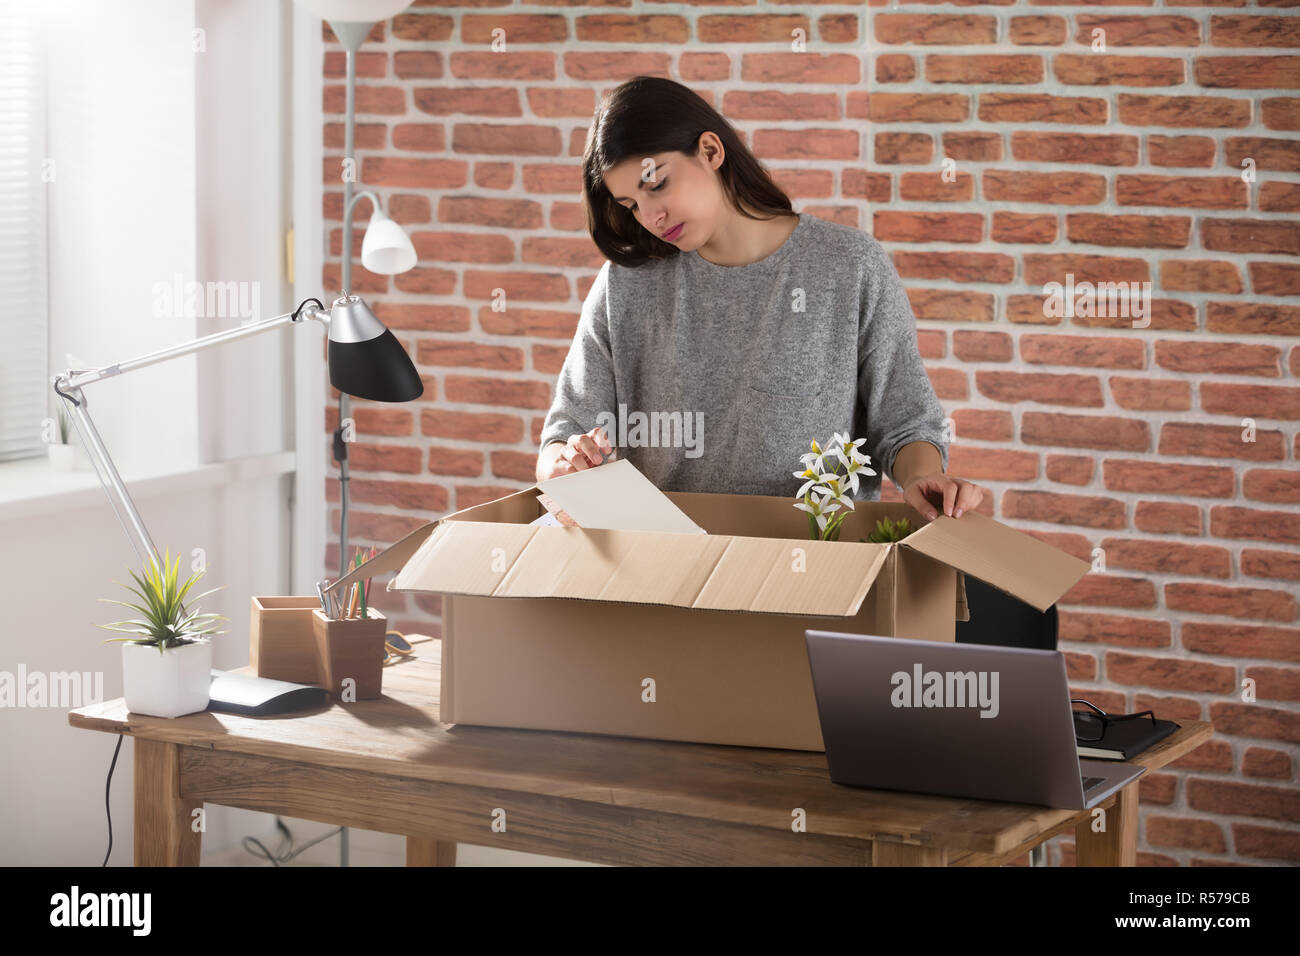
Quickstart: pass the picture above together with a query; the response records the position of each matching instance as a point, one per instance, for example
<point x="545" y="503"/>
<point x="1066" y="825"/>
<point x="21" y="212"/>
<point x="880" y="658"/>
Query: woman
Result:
<point x="726" y="332"/>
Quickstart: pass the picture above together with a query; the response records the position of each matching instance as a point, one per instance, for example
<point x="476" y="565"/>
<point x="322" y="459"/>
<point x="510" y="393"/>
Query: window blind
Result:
<point x="26" y="398"/>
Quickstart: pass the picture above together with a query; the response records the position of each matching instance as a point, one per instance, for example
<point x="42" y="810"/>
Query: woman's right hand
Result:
<point x="577" y="453"/>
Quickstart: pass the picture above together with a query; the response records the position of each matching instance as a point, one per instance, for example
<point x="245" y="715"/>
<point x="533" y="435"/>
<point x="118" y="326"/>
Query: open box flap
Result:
<point x="716" y="572"/>
<point x="1015" y="562"/>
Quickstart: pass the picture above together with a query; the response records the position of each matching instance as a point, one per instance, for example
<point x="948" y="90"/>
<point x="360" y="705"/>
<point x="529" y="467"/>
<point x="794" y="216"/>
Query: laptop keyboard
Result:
<point x="1090" y="782"/>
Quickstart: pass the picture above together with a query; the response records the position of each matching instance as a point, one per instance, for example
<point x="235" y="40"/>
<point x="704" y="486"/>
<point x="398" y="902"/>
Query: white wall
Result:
<point x="146" y="188"/>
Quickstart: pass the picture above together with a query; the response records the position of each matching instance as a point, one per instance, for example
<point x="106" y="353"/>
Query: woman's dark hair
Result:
<point x="648" y="115"/>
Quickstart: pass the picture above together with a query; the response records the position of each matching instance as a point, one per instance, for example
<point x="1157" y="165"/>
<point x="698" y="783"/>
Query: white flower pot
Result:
<point x="62" y="457"/>
<point x="169" y="683"/>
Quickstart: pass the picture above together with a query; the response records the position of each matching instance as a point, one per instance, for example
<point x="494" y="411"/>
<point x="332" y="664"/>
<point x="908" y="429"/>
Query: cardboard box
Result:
<point x="559" y="628"/>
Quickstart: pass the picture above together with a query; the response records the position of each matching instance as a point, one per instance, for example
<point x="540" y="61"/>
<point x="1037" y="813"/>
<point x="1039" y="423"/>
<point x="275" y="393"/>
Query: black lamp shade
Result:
<point x="365" y="358"/>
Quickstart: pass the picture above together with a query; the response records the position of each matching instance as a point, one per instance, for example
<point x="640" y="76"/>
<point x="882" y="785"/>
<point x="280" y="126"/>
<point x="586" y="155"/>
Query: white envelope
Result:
<point x="616" y="495"/>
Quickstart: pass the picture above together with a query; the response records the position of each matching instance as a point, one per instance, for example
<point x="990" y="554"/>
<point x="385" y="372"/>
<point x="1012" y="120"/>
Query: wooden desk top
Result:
<point x="399" y="735"/>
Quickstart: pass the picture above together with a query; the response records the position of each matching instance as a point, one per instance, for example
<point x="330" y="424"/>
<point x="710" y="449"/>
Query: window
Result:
<point x="26" y="398"/>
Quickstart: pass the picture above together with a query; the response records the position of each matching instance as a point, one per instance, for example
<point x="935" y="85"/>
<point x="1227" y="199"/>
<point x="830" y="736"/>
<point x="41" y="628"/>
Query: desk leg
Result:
<point x="422" y="852"/>
<point x="1118" y="845"/>
<point x="164" y="821"/>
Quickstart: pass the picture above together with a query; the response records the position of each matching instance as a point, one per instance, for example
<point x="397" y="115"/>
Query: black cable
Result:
<point x="107" y="809"/>
<point x="283" y="854"/>
<point x="303" y="304"/>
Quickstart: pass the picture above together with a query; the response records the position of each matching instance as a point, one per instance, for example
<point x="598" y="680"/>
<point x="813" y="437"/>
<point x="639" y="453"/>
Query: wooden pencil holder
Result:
<point x="350" y="650"/>
<point x="280" y="641"/>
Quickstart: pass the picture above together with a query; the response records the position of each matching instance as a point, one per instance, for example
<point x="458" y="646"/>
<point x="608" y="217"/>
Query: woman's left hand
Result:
<point x="937" y="490"/>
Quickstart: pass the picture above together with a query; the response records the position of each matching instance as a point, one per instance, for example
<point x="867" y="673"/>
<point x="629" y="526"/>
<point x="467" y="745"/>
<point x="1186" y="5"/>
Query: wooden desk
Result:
<point x="389" y="765"/>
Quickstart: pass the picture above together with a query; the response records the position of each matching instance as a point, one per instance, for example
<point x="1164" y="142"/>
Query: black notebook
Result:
<point x="1125" y="739"/>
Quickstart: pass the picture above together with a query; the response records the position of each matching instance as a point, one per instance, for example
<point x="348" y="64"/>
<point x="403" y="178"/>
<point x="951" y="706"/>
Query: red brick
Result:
<point x="972" y="346"/>
<point x="1209" y="112"/>
<point x="919" y="107"/>
<point x="1244" y="31"/>
<point x="977" y="424"/>
<point x="1183" y="438"/>
<point x="1096" y="69"/>
<point x="1228" y="521"/>
<point x="1266" y="843"/>
<point x="1242" y="640"/>
<point x="455" y="461"/>
<point x="940" y="29"/>
<point x="976" y="147"/>
<point x="983" y="68"/>
<point x="472" y="426"/>
<point x="895" y="68"/>
<point x="1111" y="590"/>
<point x="1151" y="394"/>
<point x="1165" y="517"/>
<point x="1138" y="30"/>
<point x="1222" y="358"/>
<point x="899" y="226"/>
<point x="1259" y="603"/>
<point x="904" y="148"/>
<point x="993" y="464"/>
<point x="1188" y="151"/>
<point x="1255" y="720"/>
<point x="1133" y="475"/>
<point x="951" y="305"/>
<point x="1038" y="30"/>
<point x="1042" y="108"/>
<point x="1201" y="192"/>
<point x="1023" y="227"/>
<point x="1199" y="275"/>
<point x="1280" y="112"/>
<point x="1100" y="149"/>
<point x="1183" y="833"/>
<point x="1114" y="629"/>
<point x="1251" y="401"/>
<point x="1259" y="562"/>
<point x="1251" y="235"/>
<point x="1263" y="762"/>
<point x="1089" y="511"/>
<point x="1162" y="232"/>
<point x="1244" y="799"/>
<point x="955" y="265"/>
<point x="1070" y="469"/>
<point x="1167" y="557"/>
<point x="1248" y="72"/>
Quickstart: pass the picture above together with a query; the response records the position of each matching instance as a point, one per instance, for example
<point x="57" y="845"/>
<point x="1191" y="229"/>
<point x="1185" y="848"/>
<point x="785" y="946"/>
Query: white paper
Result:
<point x="617" y="496"/>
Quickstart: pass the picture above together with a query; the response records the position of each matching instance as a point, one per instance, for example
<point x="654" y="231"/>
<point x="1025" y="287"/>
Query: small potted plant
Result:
<point x="166" y="671"/>
<point x="63" y="454"/>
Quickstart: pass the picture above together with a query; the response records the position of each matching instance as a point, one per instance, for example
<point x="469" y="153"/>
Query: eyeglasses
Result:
<point x="1091" y="724"/>
<point x="395" y="644"/>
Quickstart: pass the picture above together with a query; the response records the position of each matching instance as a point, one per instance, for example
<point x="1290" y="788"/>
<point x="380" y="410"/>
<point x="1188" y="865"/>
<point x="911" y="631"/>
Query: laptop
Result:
<point x="962" y="720"/>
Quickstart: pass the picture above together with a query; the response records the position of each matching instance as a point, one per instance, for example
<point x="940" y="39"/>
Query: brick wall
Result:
<point x="993" y="148"/>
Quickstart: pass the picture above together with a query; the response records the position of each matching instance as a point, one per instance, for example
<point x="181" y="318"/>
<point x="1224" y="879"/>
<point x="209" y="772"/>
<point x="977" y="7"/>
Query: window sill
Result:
<point x="29" y="488"/>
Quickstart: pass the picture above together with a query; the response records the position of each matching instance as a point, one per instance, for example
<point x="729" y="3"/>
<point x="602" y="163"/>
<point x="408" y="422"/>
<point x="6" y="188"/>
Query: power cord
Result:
<point x="285" y="852"/>
<point x="107" y="809"/>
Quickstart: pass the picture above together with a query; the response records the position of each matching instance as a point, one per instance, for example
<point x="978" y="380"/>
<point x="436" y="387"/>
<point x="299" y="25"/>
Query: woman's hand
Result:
<point x="578" y="453"/>
<point x="937" y="490"/>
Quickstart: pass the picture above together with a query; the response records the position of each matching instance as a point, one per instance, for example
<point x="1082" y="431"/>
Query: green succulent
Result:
<point x="886" y="531"/>
<point x="165" y="623"/>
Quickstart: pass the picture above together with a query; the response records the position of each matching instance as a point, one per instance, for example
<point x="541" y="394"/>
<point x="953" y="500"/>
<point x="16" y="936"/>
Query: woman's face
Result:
<point x="673" y="192"/>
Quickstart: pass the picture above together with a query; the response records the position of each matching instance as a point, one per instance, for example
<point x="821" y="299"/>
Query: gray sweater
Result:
<point x="715" y="378"/>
